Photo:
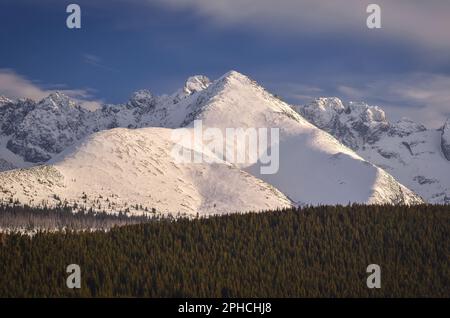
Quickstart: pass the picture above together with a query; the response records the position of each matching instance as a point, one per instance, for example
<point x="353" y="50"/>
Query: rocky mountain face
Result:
<point x="39" y="130"/>
<point x="4" y="100"/>
<point x="445" y="140"/>
<point x="355" y="124"/>
<point x="413" y="154"/>
<point x="33" y="132"/>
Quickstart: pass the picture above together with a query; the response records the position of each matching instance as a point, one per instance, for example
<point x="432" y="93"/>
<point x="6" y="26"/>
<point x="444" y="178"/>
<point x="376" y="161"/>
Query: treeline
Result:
<point x="27" y="219"/>
<point x="308" y="252"/>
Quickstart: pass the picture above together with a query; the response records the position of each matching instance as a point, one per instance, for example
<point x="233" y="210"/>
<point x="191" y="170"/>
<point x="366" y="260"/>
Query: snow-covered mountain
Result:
<point x="88" y="162"/>
<point x="314" y="167"/>
<point x="416" y="156"/>
<point x="33" y="132"/>
<point x="133" y="170"/>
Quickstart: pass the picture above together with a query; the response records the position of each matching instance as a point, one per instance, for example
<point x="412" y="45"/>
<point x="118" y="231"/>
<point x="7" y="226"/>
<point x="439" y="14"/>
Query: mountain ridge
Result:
<point x="314" y="167"/>
<point x="409" y="151"/>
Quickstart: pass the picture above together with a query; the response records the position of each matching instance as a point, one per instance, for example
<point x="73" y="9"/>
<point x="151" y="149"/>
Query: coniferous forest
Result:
<point x="62" y="218"/>
<point x="307" y="252"/>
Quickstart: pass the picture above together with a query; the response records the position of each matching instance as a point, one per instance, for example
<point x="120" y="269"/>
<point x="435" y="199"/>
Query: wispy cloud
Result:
<point x="96" y="61"/>
<point x="300" y="93"/>
<point x="14" y="85"/>
<point x="422" y="23"/>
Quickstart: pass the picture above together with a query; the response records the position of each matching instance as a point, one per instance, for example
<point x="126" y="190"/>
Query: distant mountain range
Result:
<point x="416" y="156"/>
<point x="118" y="157"/>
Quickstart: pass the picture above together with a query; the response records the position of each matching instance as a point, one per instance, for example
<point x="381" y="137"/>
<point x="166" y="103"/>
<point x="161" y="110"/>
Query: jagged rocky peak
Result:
<point x="235" y="76"/>
<point x="45" y="128"/>
<point x="327" y="107"/>
<point x="192" y="85"/>
<point x="369" y="114"/>
<point x="353" y="123"/>
<point x="57" y="100"/>
<point x="195" y="84"/>
<point x="332" y="105"/>
<point x="4" y="100"/>
<point x="445" y="140"/>
<point x="325" y="110"/>
<point x="329" y="103"/>
<point x="321" y="111"/>
<point x="141" y="98"/>
<point x="405" y="127"/>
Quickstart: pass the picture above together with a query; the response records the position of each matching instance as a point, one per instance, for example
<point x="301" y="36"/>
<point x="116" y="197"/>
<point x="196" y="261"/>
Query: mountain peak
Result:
<point x="142" y="93"/>
<point x="406" y="126"/>
<point x="233" y="101"/>
<point x="56" y="100"/>
<point x="368" y="113"/>
<point x="321" y="111"/>
<point x="4" y="100"/>
<point x="234" y="75"/>
<point x="195" y="84"/>
<point x="328" y="107"/>
<point x="57" y="96"/>
<point x="330" y="103"/>
<point x="352" y="123"/>
<point x="141" y="98"/>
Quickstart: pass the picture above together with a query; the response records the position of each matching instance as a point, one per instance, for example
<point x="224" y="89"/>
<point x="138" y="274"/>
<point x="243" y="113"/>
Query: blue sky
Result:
<point x="298" y="49"/>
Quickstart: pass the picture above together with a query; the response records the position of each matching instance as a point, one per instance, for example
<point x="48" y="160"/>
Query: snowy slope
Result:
<point x="314" y="167"/>
<point x="83" y="153"/>
<point x="405" y="149"/>
<point x="120" y="169"/>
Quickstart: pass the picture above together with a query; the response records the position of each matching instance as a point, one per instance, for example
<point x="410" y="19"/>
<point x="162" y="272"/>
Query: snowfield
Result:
<point x="124" y="169"/>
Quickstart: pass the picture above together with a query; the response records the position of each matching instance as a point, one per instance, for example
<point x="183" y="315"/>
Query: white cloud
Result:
<point x="96" y="61"/>
<point x="350" y="91"/>
<point x="14" y="85"/>
<point x="300" y="93"/>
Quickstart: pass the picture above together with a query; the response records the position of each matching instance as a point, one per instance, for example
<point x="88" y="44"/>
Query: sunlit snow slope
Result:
<point x="124" y="169"/>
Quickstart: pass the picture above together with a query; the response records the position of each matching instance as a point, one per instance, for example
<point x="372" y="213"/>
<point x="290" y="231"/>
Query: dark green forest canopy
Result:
<point x="308" y="252"/>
